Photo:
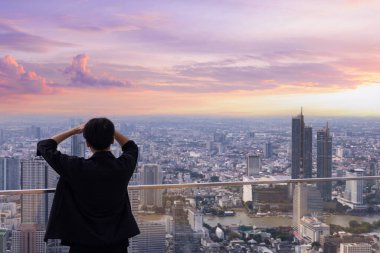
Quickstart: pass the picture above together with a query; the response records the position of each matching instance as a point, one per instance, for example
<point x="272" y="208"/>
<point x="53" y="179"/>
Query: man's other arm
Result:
<point x="48" y="149"/>
<point x="130" y="150"/>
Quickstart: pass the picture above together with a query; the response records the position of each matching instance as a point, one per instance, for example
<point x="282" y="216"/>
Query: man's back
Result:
<point x="91" y="205"/>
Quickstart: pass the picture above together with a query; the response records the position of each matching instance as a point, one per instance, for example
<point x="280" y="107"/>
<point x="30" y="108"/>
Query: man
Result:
<point x="91" y="211"/>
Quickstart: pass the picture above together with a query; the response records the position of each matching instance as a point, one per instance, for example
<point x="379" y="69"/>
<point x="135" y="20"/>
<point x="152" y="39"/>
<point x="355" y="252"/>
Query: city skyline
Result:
<point x="189" y="58"/>
<point x="180" y="151"/>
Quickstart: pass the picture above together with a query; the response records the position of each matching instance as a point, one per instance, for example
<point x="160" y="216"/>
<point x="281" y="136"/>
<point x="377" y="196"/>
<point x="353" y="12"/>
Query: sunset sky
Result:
<point x="194" y="57"/>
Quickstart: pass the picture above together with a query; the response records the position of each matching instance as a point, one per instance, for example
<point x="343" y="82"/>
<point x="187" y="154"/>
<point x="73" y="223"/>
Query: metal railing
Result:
<point x="207" y="184"/>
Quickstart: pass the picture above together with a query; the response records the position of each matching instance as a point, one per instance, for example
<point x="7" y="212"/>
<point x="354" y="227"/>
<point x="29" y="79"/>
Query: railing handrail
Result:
<point x="208" y="184"/>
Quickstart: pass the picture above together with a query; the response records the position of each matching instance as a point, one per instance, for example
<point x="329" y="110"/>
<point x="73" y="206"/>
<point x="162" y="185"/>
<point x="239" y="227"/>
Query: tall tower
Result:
<point x="134" y="197"/>
<point x="354" y="188"/>
<point x="36" y="174"/>
<point x="151" y="174"/>
<point x="152" y="233"/>
<point x="9" y="173"/>
<point x="152" y="237"/>
<point x="1" y="136"/>
<point x="78" y="147"/>
<point x="185" y="240"/>
<point x="324" y="161"/>
<point x="3" y="176"/>
<point x="301" y="148"/>
<point x="253" y="165"/>
<point x="268" y="150"/>
<point x="306" y="201"/>
<point x="29" y="238"/>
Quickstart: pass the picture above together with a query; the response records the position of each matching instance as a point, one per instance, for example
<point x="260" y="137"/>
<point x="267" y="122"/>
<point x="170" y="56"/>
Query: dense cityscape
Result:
<point x="277" y="217"/>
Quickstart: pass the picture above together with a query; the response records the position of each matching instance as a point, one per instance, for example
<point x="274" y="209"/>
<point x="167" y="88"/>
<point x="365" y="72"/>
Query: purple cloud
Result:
<point x="80" y="74"/>
<point x="237" y="74"/>
<point x="15" y="80"/>
<point x="14" y="39"/>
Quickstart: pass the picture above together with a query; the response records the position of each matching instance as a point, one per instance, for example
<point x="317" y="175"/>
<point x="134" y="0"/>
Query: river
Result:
<point x="241" y="218"/>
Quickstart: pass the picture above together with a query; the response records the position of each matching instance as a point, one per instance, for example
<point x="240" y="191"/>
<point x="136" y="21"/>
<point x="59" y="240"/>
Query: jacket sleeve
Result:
<point x="58" y="161"/>
<point x="129" y="156"/>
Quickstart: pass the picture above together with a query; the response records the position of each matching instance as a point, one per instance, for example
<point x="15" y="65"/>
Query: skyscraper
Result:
<point x="3" y="176"/>
<point x="28" y="238"/>
<point x="9" y="173"/>
<point x="268" y="150"/>
<point x="301" y="148"/>
<point x="1" y="136"/>
<point x="373" y="167"/>
<point x="4" y="234"/>
<point x="78" y="147"/>
<point x="34" y="132"/>
<point x="185" y="239"/>
<point x="151" y="174"/>
<point x="354" y="189"/>
<point x="324" y="161"/>
<point x="152" y="234"/>
<point x="306" y="201"/>
<point x="134" y="197"/>
<point x="36" y="174"/>
<point x="152" y="237"/>
<point x="253" y="165"/>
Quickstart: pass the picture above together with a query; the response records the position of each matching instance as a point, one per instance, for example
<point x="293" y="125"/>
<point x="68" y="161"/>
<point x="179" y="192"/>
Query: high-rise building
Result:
<point x="9" y="173"/>
<point x="324" y="161"/>
<point x="195" y="218"/>
<point x="301" y="148"/>
<point x="28" y="238"/>
<point x="219" y="137"/>
<point x="3" y="174"/>
<point x="185" y="239"/>
<point x="268" y="150"/>
<point x="36" y="174"/>
<point x="373" y="171"/>
<point x="78" y="145"/>
<point x="4" y="234"/>
<point x="134" y="198"/>
<point x="152" y="234"/>
<point x="308" y="152"/>
<point x="311" y="229"/>
<point x="34" y="132"/>
<point x="151" y="174"/>
<point x="373" y="167"/>
<point x="151" y="237"/>
<point x="355" y="248"/>
<point x="247" y="189"/>
<point x="253" y="165"/>
<point x="1" y="136"/>
<point x="306" y="201"/>
<point x="353" y="193"/>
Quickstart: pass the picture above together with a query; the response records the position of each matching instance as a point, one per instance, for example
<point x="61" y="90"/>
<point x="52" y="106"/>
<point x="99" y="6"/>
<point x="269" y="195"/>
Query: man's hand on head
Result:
<point x="78" y="129"/>
<point x="68" y="133"/>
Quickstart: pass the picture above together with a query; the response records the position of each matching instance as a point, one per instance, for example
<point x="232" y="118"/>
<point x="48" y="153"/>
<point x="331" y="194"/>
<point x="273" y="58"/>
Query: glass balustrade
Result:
<point x="264" y="215"/>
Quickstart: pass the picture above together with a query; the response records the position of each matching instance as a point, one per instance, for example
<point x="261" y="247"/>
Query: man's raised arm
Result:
<point x="58" y="138"/>
<point x="120" y="138"/>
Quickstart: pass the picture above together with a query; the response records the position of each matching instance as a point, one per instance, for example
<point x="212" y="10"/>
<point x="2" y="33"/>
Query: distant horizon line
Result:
<point x="6" y="118"/>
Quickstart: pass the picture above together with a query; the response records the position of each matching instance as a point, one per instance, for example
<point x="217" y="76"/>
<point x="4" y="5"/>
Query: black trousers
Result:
<point x="109" y="249"/>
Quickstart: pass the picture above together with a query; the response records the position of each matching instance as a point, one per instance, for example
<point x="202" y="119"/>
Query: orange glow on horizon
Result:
<point x="362" y="101"/>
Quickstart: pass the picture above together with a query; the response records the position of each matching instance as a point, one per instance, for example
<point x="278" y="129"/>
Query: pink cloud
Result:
<point x="14" y="79"/>
<point x="81" y="75"/>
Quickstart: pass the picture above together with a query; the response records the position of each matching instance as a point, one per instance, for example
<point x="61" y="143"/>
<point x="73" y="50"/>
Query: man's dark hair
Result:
<point x="99" y="133"/>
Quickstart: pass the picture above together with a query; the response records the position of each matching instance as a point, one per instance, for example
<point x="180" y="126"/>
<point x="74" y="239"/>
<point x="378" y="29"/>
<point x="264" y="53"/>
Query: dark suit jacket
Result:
<point x="91" y="204"/>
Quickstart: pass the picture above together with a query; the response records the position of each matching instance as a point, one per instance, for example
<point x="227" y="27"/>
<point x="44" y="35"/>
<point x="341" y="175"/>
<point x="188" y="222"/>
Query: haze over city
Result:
<point x="227" y="58"/>
<point x="256" y="123"/>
